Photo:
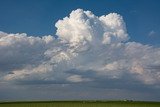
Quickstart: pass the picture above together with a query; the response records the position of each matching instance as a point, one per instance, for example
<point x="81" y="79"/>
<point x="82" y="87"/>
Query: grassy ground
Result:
<point x="80" y="104"/>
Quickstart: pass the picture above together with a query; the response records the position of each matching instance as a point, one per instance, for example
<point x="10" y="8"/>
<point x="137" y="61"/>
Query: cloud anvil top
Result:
<point x="88" y="49"/>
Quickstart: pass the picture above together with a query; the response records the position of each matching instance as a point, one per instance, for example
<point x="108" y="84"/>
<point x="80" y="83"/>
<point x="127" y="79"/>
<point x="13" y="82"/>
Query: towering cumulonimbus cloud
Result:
<point x="88" y="49"/>
<point x="83" y="26"/>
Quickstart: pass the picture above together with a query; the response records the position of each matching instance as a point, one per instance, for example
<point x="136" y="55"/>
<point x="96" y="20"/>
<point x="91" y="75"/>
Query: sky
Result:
<point x="79" y="49"/>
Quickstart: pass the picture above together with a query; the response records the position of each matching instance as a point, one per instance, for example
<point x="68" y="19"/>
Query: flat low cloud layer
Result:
<point x="89" y="49"/>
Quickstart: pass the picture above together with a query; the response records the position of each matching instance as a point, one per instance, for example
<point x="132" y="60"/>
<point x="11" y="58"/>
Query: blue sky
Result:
<point x="37" y="17"/>
<point x="103" y="50"/>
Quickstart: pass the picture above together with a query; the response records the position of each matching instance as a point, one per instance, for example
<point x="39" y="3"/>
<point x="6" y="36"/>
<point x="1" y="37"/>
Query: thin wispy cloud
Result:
<point x="152" y="33"/>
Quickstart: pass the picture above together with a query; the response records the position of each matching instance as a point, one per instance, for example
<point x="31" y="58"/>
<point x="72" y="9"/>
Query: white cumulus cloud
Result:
<point x="89" y="48"/>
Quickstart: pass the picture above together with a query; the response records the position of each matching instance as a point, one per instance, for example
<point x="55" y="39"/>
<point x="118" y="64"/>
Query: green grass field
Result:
<point x="80" y="104"/>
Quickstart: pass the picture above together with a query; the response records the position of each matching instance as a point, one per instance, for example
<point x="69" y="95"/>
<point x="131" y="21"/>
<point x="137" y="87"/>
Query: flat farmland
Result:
<point x="80" y="104"/>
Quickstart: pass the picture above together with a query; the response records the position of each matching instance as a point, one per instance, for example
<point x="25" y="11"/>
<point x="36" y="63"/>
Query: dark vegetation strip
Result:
<point x="85" y="101"/>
